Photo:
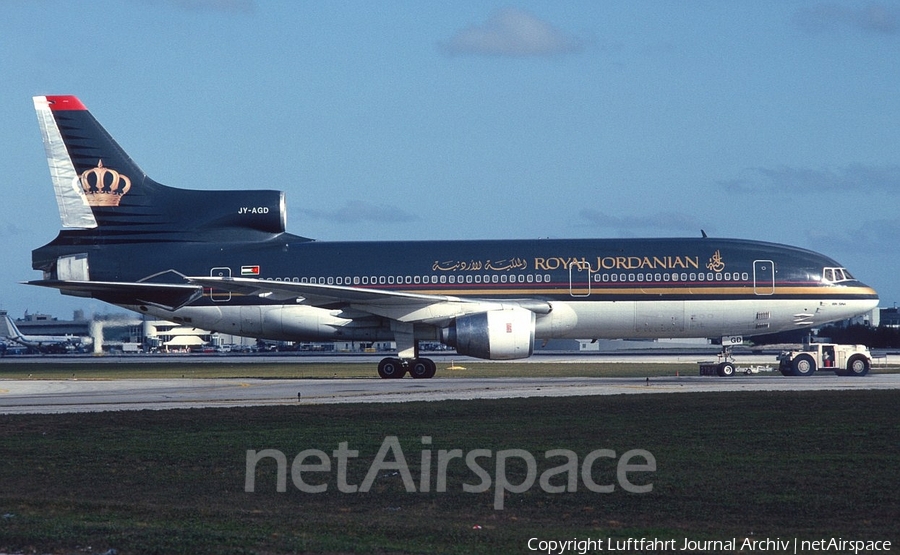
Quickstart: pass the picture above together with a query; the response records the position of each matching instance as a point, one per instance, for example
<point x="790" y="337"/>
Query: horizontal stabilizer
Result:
<point x="163" y="295"/>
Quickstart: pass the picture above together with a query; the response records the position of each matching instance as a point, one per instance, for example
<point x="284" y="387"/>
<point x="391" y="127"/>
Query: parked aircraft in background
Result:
<point x="42" y="343"/>
<point x="222" y="261"/>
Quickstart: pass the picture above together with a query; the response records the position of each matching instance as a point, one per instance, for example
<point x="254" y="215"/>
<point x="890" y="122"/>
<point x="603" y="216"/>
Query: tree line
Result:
<point x="875" y="338"/>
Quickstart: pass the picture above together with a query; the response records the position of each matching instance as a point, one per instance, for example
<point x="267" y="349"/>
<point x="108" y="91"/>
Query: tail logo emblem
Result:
<point x="104" y="186"/>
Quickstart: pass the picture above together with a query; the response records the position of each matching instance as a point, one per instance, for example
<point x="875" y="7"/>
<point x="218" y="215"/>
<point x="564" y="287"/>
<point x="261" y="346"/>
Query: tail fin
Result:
<point x="9" y="329"/>
<point x="74" y="210"/>
<point x="99" y="186"/>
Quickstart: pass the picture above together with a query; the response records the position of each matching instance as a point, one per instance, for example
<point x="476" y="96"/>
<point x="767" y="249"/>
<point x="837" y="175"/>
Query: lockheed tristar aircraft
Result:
<point x="222" y="261"/>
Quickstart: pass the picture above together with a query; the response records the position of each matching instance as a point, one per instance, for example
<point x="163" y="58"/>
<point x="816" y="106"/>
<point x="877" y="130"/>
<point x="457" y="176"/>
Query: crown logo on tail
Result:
<point x="104" y="186"/>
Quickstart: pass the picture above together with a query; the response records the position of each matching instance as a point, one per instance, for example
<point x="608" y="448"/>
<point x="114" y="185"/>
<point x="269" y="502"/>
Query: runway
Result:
<point x="70" y="396"/>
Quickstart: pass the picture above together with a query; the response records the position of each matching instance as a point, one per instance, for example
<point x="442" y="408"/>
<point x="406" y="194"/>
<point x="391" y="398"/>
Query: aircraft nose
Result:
<point x="867" y="297"/>
<point x="874" y="299"/>
<point x="868" y="292"/>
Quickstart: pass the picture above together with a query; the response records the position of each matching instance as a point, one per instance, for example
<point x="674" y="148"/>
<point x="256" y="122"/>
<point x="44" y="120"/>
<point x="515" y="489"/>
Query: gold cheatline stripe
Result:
<point x="745" y="290"/>
<point x="748" y="290"/>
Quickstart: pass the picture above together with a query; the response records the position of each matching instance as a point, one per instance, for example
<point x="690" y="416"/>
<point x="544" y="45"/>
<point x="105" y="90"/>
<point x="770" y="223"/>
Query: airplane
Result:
<point x="43" y="343"/>
<point x="223" y="261"/>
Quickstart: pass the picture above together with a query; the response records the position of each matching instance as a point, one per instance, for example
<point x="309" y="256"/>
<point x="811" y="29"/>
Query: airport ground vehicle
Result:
<point x="845" y="360"/>
<point x="728" y="367"/>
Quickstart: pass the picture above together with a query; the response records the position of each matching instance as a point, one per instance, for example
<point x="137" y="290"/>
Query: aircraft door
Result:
<point x="763" y="277"/>
<point x="579" y="279"/>
<point x="218" y="295"/>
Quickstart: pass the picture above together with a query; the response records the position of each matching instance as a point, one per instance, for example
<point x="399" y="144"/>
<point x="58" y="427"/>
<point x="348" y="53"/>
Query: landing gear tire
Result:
<point x="391" y="368"/>
<point x="857" y="366"/>
<point x="422" y="368"/>
<point x="803" y="365"/>
<point x="725" y="369"/>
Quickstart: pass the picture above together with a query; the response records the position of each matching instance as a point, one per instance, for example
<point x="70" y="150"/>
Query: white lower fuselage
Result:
<point x="566" y="320"/>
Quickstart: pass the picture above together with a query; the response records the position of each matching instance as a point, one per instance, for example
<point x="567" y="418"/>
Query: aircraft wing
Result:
<point x="396" y="305"/>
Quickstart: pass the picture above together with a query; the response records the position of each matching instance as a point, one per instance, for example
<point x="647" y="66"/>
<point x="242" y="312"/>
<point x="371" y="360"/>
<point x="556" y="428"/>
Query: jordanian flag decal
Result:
<point x="249" y="270"/>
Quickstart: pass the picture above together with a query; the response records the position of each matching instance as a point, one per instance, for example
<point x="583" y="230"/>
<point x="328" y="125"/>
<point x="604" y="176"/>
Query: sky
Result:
<point x="768" y="120"/>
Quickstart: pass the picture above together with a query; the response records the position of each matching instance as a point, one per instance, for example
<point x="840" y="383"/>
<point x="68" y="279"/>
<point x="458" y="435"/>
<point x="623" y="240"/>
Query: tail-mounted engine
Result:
<point x="494" y="335"/>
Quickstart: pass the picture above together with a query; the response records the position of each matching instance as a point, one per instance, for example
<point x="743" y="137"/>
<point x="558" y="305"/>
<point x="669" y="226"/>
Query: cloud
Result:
<point x="511" y="32"/>
<point x="12" y="230"/>
<point x="224" y="6"/>
<point x="874" y="17"/>
<point x="875" y="237"/>
<point x="859" y="178"/>
<point x="664" y="221"/>
<point x="358" y="211"/>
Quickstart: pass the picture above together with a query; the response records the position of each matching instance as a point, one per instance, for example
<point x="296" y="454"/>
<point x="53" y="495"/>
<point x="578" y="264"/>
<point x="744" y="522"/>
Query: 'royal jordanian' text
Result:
<point x="618" y="263"/>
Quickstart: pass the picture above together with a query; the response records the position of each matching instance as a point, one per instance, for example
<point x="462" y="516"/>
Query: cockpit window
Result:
<point x="836" y="275"/>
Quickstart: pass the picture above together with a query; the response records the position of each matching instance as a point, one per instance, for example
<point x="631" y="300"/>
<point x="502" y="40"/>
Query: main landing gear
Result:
<point x="408" y="359"/>
<point x="390" y="368"/>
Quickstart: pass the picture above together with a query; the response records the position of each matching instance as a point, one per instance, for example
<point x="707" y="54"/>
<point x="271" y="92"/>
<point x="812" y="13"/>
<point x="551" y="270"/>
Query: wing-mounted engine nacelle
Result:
<point x="494" y="335"/>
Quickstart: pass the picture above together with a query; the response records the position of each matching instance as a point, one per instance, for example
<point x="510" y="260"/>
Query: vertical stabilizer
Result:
<point x="74" y="210"/>
<point x="101" y="191"/>
<point x="8" y="328"/>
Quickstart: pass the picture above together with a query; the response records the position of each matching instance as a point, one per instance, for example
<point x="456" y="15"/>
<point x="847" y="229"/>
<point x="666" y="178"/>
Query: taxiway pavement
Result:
<point x="66" y="396"/>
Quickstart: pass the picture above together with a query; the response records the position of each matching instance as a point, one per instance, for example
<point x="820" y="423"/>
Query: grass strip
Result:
<point x="777" y="464"/>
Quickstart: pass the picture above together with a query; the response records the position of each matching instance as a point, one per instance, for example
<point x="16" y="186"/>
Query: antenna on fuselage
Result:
<point x="703" y="233"/>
